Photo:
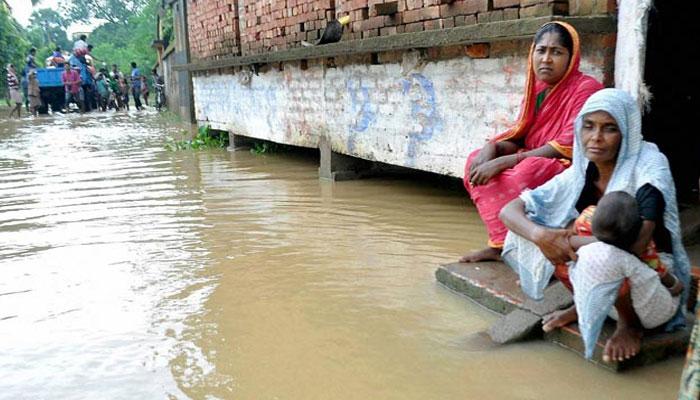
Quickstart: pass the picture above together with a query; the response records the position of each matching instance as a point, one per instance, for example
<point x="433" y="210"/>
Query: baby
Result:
<point x="617" y="222"/>
<point x="614" y="267"/>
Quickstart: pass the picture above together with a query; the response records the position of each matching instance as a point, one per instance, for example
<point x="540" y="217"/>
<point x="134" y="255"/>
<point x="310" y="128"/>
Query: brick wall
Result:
<point x="223" y="28"/>
<point x="384" y="17"/>
<point x="213" y="28"/>
<point x="272" y="25"/>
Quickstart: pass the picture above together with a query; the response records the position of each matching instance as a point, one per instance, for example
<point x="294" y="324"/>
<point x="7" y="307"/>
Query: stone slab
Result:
<point x="494" y="285"/>
<point x="526" y="321"/>
<point x="515" y="326"/>
<point x="656" y="345"/>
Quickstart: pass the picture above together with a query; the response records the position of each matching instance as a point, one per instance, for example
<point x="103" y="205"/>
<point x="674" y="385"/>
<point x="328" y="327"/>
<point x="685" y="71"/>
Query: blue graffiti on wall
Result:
<point x="362" y="110"/>
<point x="261" y="99"/>
<point x="421" y="93"/>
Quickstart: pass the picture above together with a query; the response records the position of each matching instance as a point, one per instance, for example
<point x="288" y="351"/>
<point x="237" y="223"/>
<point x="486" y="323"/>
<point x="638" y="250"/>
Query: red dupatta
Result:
<point x="553" y="123"/>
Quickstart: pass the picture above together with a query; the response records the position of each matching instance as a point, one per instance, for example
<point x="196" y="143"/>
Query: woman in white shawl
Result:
<point x="609" y="155"/>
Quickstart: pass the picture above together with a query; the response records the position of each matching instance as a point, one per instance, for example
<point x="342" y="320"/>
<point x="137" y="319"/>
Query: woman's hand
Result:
<point x="482" y="174"/>
<point x="554" y="244"/>
<point x="487" y="153"/>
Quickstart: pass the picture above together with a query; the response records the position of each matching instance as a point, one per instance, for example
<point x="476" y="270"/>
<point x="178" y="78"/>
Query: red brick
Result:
<point x="448" y="22"/>
<point x="544" y="10"/>
<point x="390" y="57"/>
<point x="464" y="8"/>
<point x="414" y="4"/>
<point x="511" y="13"/>
<point x="478" y="50"/>
<point x="373" y="23"/>
<point x="414" y="27"/>
<point x="422" y="14"/>
<point x="528" y="3"/>
<point x="506" y="3"/>
<point x="491" y="16"/>
<point x="592" y="7"/>
<point x="432" y="24"/>
<point x="463" y="20"/>
<point x="389" y="30"/>
<point x="370" y="33"/>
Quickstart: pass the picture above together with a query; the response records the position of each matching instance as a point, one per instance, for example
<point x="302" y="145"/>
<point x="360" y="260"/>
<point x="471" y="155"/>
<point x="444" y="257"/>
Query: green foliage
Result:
<point x="204" y="139"/>
<point x="13" y="43"/>
<point x="122" y="43"/>
<point x="117" y="12"/>
<point x="47" y="29"/>
<point x="263" y="148"/>
<point x="166" y="26"/>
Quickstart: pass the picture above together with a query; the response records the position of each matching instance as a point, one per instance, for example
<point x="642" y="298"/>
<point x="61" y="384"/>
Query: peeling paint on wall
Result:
<point x="429" y="118"/>
<point x="427" y="121"/>
<point x="363" y="112"/>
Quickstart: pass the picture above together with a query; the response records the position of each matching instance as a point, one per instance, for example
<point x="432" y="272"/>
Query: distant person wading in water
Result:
<point x="13" y="87"/>
<point x="136" y="85"/>
<point x="539" y="146"/>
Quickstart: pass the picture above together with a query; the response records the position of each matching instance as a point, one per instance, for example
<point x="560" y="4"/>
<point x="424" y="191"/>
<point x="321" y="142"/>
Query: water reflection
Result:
<point x="127" y="271"/>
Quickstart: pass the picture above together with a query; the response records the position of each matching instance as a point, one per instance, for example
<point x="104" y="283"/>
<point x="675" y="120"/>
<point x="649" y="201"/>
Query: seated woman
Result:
<point x="539" y="146"/>
<point x="609" y="155"/>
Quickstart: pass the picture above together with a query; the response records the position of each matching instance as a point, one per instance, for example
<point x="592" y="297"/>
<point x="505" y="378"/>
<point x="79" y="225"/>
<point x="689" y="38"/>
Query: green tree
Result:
<point x="113" y="11"/>
<point x="51" y="26"/>
<point x="13" y="43"/>
<point x="122" y="43"/>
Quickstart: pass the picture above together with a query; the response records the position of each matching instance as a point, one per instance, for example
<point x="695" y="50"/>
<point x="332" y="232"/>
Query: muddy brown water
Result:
<point x="131" y="272"/>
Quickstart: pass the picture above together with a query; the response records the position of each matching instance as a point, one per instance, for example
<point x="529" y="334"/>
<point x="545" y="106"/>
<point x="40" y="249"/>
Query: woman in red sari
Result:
<point x="539" y="146"/>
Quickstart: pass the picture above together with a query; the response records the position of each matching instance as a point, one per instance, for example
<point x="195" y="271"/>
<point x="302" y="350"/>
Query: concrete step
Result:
<point x="495" y="286"/>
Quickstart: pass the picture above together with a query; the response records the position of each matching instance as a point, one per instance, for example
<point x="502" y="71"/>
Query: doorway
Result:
<point x="671" y="72"/>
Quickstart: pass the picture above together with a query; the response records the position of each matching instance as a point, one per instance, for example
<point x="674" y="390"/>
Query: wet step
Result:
<point x="495" y="286"/>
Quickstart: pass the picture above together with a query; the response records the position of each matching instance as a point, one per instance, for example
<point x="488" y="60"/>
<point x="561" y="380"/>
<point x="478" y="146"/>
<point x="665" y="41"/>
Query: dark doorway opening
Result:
<point x="672" y="74"/>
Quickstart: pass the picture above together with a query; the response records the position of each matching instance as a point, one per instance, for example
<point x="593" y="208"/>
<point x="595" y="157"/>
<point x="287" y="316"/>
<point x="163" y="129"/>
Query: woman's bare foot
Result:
<point x="559" y="319"/>
<point x="623" y="344"/>
<point x="487" y="254"/>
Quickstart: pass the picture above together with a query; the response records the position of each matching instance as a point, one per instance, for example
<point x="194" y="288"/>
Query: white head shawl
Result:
<point x="554" y="203"/>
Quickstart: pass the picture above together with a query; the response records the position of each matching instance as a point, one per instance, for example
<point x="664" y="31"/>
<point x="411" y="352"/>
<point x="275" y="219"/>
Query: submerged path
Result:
<point x="128" y="271"/>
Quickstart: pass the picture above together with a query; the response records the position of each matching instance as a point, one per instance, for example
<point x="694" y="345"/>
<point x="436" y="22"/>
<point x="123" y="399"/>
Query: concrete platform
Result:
<point x="494" y="285"/>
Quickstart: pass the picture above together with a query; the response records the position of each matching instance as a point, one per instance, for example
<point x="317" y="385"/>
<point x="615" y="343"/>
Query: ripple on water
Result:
<point x="127" y="271"/>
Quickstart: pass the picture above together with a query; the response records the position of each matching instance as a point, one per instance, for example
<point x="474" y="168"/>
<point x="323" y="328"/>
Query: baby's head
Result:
<point x="616" y="220"/>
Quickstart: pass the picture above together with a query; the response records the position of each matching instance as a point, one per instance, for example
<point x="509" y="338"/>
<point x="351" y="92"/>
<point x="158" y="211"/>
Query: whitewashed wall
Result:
<point x="417" y="114"/>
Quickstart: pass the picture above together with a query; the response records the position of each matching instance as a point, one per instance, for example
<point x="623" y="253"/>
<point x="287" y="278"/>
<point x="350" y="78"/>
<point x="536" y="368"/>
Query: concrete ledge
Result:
<point x="492" y="31"/>
<point x="494" y="285"/>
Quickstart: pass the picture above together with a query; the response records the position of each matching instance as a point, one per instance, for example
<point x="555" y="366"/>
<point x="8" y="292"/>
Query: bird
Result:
<point x="332" y="33"/>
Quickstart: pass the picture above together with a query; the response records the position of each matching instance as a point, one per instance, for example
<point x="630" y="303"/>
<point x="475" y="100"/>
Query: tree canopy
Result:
<point x="13" y="41"/>
<point x="113" y="11"/>
<point x="125" y="36"/>
<point x="122" y="43"/>
<point x="47" y="29"/>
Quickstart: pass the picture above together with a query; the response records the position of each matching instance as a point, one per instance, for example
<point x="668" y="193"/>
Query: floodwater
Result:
<point x="131" y="272"/>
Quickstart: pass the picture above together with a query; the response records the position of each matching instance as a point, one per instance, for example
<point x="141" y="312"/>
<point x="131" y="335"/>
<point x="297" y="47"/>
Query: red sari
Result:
<point x="552" y="123"/>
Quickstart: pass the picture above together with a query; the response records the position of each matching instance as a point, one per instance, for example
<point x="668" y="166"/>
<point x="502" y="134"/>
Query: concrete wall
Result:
<point x="170" y="79"/>
<point x="424" y="110"/>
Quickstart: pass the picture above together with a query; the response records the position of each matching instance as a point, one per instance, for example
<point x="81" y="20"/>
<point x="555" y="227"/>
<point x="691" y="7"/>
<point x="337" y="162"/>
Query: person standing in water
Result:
<point x="136" y="85"/>
<point x="13" y="87"/>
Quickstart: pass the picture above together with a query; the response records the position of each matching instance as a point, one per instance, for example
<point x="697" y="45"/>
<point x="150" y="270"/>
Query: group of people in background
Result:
<point x="84" y="85"/>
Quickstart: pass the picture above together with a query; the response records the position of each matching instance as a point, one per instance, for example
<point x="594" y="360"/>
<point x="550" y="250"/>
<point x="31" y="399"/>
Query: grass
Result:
<point x="264" y="148"/>
<point x="205" y="139"/>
